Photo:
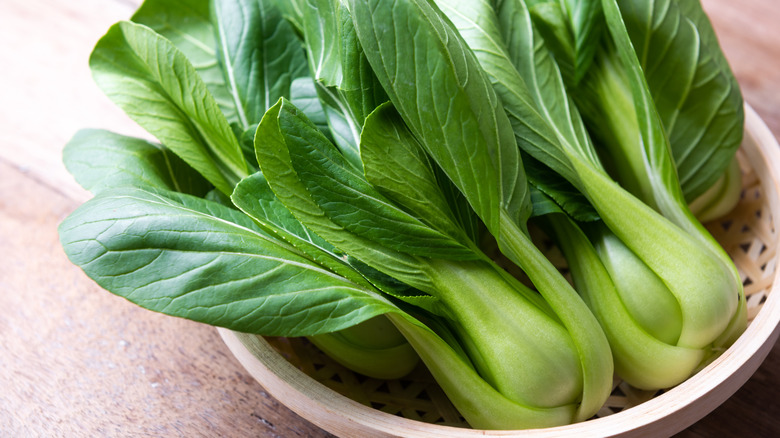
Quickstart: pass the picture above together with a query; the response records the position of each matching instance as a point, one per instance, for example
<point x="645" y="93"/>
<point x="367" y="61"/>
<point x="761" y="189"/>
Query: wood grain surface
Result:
<point x="78" y="361"/>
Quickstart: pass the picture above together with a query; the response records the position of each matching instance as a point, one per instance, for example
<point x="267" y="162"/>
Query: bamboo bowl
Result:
<point x="351" y="405"/>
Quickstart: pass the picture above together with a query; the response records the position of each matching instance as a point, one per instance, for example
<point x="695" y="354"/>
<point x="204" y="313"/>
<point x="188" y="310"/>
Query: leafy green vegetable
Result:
<point x="645" y="352"/>
<point x="187" y="24"/>
<point x="259" y="54"/>
<point x="709" y="295"/>
<point x="463" y="127"/>
<point x="337" y="169"/>
<point x="397" y="166"/>
<point x="104" y="160"/>
<point x="160" y="89"/>
<point x="695" y="94"/>
<point x="345" y="83"/>
<point x="192" y="258"/>
<point x="305" y="175"/>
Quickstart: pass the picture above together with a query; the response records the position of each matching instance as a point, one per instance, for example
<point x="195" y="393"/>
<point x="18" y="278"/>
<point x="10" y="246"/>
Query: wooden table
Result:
<point x="77" y="361"/>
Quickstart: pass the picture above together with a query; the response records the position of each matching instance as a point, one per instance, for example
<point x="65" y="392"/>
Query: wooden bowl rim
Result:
<point x="679" y="407"/>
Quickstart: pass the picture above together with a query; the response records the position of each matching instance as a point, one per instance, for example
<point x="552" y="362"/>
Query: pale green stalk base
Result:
<point x="373" y="348"/>
<point x="519" y="349"/>
<point x="591" y="343"/>
<point x="722" y="197"/>
<point x="641" y="359"/>
<point x="480" y="404"/>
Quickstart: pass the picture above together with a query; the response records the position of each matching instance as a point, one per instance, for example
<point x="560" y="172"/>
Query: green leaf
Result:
<point x="155" y="84"/>
<point x="187" y="24"/>
<point x="696" y="94"/>
<point x="292" y="11"/>
<point x="341" y="123"/>
<point x="303" y="94"/>
<point x="349" y="201"/>
<point x="345" y="83"/>
<point x="566" y="197"/>
<point x="359" y="88"/>
<point x="438" y="87"/>
<point x="462" y="211"/>
<point x="191" y="258"/>
<point x="259" y="54"/>
<point x="219" y="197"/>
<point x="525" y="76"/>
<point x="321" y="19"/>
<point x="526" y="79"/>
<point x="246" y="139"/>
<point x="397" y="165"/>
<point x="571" y="30"/>
<point x="551" y="21"/>
<point x="101" y="160"/>
<point x="543" y="204"/>
<point x="656" y="170"/>
<point x="586" y="21"/>
<point x="245" y="51"/>
<point x="254" y="197"/>
<point x="276" y="164"/>
<point x="534" y="64"/>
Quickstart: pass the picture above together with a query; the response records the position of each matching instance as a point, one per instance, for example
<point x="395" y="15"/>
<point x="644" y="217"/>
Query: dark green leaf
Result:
<point x="253" y="195"/>
<point x="535" y="65"/>
<point x="187" y="24"/>
<point x="303" y="94"/>
<point x="562" y="192"/>
<point x="341" y="123"/>
<point x="550" y="19"/>
<point x="255" y="198"/>
<point x="349" y="201"/>
<point x="571" y="30"/>
<point x="586" y="20"/>
<point x="155" y="84"/>
<point x="259" y="53"/>
<point x="246" y="139"/>
<point x="527" y="80"/>
<point x="359" y="88"/>
<point x="438" y="87"/>
<point x="276" y="164"/>
<point x="543" y="204"/>
<point x="397" y="165"/>
<point x="696" y="94"/>
<point x="292" y="11"/>
<point x="345" y="83"/>
<point x="195" y="259"/>
<point x="101" y="160"/>
<point x="321" y="20"/>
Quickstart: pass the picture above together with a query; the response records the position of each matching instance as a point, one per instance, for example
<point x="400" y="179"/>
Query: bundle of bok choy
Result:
<point x="335" y="169"/>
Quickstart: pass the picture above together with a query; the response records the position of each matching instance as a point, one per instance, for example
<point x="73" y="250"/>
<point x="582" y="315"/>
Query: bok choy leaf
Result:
<point x="157" y="86"/>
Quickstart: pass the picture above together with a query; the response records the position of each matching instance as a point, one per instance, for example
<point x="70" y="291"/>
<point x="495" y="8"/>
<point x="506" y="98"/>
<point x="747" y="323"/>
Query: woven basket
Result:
<point x="347" y="404"/>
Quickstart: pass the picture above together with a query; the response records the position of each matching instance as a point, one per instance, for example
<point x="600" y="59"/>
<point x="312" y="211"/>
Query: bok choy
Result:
<point x="655" y="233"/>
<point x="336" y="169"/>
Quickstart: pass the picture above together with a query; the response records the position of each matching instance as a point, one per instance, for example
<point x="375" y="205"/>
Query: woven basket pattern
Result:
<point x="747" y="234"/>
